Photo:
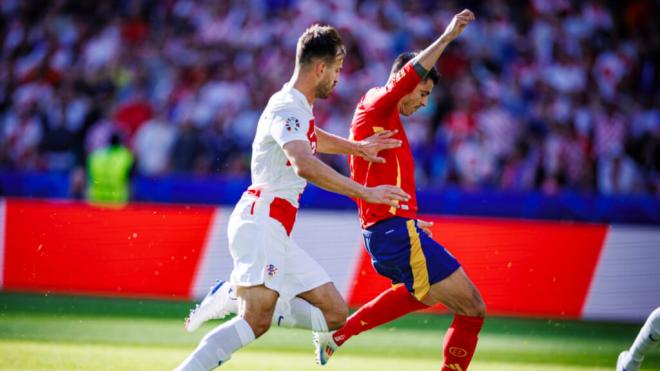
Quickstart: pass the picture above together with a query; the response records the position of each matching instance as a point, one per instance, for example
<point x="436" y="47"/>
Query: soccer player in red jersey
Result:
<point x="422" y="271"/>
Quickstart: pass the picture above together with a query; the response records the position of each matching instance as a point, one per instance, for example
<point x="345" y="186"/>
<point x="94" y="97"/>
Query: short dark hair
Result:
<point x="404" y="58"/>
<point x="319" y="42"/>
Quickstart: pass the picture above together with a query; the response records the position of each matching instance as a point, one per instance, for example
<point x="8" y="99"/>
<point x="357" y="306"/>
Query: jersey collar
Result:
<point x="299" y="96"/>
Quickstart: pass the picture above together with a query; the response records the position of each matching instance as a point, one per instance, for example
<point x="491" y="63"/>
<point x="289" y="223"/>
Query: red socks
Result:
<point x="460" y="342"/>
<point x="388" y="306"/>
<point x="460" y="339"/>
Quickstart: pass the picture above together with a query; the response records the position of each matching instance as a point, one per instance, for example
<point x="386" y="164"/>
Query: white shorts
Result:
<point x="263" y="253"/>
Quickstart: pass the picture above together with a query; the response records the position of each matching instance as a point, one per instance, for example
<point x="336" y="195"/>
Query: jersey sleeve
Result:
<point x="288" y="126"/>
<point x="401" y="84"/>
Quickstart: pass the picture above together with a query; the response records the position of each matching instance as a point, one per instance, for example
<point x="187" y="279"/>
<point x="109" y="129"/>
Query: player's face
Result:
<point x="416" y="99"/>
<point x="330" y="78"/>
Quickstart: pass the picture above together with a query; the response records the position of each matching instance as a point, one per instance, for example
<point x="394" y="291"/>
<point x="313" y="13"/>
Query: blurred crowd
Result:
<point x="535" y="95"/>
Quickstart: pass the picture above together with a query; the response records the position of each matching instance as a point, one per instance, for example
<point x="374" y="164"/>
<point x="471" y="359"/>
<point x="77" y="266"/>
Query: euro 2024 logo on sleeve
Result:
<point x="292" y="124"/>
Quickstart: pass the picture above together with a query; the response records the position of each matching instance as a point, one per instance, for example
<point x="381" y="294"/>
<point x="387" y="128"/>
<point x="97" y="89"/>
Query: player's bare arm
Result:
<point x="367" y="149"/>
<point x="429" y="56"/>
<point x="307" y="166"/>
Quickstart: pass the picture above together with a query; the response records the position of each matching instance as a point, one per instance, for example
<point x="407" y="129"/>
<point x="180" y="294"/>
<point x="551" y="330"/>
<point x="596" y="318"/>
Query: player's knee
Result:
<point x="336" y="318"/>
<point x="261" y="326"/>
<point x="480" y="308"/>
<point x="473" y="307"/>
<point x="258" y="321"/>
<point x="476" y="308"/>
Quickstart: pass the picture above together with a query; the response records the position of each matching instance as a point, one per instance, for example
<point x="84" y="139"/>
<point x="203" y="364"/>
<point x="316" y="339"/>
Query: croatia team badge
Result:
<point x="292" y="124"/>
<point x="271" y="270"/>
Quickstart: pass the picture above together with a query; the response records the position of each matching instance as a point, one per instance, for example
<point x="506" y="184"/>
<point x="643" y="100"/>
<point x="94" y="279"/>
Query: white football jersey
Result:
<point x="288" y="116"/>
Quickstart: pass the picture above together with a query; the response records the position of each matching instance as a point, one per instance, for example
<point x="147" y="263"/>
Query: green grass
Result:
<point x="80" y="333"/>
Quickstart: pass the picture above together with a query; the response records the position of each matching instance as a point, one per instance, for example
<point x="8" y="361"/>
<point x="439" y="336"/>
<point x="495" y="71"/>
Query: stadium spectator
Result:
<point x="108" y="172"/>
<point x="152" y="145"/>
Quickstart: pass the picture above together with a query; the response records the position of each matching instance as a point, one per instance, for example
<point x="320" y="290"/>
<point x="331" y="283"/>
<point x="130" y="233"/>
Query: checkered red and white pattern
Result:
<point x="522" y="268"/>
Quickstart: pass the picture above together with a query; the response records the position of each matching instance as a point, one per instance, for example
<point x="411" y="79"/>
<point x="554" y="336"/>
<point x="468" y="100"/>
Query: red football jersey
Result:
<point x="378" y="111"/>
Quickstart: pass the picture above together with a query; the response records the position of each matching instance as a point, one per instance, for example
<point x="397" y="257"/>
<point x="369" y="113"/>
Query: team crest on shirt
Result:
<point x="292" y="124"/>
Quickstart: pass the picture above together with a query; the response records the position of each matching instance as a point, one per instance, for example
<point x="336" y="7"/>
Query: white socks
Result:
<point x="296" y="313"/>
<point x="647" y="338"/>
<point x="218" y="345"/>
<point x="299" y="313"/>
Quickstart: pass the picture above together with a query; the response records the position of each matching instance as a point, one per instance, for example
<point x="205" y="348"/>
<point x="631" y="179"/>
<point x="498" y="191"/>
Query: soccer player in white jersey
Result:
<point x="267" y="262"/>
<point x="647" y="338"/>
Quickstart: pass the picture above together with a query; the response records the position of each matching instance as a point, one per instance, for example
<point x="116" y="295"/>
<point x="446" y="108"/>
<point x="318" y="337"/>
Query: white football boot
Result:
<point x="325" y="347"/>
<point x="218" y="303"/>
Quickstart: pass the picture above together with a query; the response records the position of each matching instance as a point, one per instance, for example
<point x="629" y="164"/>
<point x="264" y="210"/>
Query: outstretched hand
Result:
<point x="368" y="148"/>
<point x="425" y="226"/>
<point x="386" y="194"/>
<point x="458" y="24"/>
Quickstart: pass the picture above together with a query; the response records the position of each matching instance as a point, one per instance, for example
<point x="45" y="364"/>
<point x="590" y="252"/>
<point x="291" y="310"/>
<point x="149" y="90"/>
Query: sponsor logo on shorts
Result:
<point x="455" y="366"/>
<point x="458" y="352"/>
<point x="271" y="270"/>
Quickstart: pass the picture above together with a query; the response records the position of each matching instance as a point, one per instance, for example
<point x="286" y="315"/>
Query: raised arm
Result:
<point x="367" y="148"/>
<point x="408" y="76"/>
<point x="316" y="171"/>
<point x="429" y="56"/>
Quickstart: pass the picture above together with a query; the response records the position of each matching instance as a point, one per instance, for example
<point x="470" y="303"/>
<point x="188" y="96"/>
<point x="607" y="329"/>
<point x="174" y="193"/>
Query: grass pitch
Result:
<point x="40" y="332"/>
